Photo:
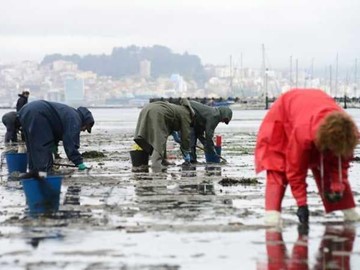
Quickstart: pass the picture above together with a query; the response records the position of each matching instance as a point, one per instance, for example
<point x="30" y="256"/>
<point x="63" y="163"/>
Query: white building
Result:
<point x="145" y="68"/>
<point x="74" y="91"/>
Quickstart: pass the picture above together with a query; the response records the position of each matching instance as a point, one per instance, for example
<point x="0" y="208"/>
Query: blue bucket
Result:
<point x="42" y="196"/>
<point x="212" y="158"/>
<point x="16" y="162"/>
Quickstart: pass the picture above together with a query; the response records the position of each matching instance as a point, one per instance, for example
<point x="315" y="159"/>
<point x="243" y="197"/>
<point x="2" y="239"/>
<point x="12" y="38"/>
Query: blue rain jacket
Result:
<point x="44" y="124"/>
<point x="12" y="125"/>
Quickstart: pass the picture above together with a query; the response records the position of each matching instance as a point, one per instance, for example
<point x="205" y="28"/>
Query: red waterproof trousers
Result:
<point x="276" y="183"/>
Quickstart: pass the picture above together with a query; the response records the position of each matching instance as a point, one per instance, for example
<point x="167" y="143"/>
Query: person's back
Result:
<point x="203" y="113"/>
<point x="301" y="105"/>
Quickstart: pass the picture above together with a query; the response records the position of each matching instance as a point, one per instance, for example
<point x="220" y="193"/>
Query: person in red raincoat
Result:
<point x="306" y="129"/>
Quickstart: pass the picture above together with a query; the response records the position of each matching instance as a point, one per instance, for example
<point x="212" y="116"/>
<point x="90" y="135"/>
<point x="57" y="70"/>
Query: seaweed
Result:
<point x="242" y="181"/>
<point x="92" y="154"/>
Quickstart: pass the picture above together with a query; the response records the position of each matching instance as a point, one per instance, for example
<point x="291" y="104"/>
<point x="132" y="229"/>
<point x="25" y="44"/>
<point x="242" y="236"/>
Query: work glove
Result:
<point x="186" y="160"/>
<point x="303" y="214"/>
<point x="333" y="197"/>
<point x="83" y="166"/>
<point x="176" y="137"/>
<point x="187" y="157"/>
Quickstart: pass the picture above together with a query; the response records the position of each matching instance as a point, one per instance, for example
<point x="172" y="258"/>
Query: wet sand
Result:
<point x="199" y="218"/>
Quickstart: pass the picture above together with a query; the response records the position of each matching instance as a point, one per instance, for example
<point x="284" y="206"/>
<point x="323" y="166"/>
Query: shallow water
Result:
<point x="114" y="218"/>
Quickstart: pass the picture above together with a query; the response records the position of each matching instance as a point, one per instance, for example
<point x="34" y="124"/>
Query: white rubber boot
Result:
<point x="272" y="218"/>
<point x="351" y="214"/>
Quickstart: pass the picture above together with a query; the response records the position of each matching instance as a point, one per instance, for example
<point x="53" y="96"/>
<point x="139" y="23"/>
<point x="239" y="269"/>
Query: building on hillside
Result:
<point x="55" y="95"/>
<point x="74" y="91"/>
<point x="180" y="85"/>
<point x="61" y="65"/>
<point x="145" y="68"/>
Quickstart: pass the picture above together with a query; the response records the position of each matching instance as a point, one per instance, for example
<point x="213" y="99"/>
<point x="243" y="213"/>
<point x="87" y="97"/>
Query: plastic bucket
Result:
<point x="139" y="158"/>
<point x="212" y="158"/>
<point x="16" y="162"/>
<point x="42" y="196"/>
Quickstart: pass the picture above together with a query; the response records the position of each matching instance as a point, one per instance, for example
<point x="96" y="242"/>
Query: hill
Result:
<point x="124" y="61"/>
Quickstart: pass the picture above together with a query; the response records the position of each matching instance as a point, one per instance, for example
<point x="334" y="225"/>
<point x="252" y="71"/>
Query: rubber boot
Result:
<point x="351" y="214"/>
<point x="273" y="218"/>
<point x="274" y="190"/>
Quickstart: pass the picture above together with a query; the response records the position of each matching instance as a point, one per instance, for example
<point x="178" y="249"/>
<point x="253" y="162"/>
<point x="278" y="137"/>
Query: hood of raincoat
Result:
<point x="86" y="118"/>
<point x="225" y="114"/>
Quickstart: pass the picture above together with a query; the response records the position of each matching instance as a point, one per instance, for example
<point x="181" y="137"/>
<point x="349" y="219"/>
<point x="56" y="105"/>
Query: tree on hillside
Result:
<point x="124" y="61"/>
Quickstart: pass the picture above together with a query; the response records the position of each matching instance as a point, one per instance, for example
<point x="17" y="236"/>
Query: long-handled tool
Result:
<point x="72" y="166"/>
<point x="216" y="154"/>
<point x="65" y="165"/>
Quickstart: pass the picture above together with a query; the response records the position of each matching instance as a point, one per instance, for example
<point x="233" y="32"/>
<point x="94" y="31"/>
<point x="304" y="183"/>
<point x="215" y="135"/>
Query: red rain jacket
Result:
<point x="285" y="140"/>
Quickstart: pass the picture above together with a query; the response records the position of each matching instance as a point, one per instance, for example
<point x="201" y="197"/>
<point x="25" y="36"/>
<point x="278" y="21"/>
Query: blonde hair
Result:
<point x="337" y="133"/>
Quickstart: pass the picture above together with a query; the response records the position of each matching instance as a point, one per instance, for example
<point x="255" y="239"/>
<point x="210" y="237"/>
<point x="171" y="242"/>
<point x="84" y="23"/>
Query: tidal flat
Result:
<point x="209" y="216"/>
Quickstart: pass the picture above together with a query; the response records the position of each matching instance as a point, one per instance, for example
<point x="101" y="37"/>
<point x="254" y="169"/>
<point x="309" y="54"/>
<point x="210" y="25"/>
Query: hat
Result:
<point x="86" y="118"/>
<point x="225" y="114"/>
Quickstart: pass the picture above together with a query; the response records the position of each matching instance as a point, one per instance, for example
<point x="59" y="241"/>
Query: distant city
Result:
<point x="72" y="80"/>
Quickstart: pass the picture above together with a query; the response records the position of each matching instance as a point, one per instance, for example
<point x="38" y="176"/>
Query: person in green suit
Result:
<point x="156" y="122"/>
<point x="207" y="119"/>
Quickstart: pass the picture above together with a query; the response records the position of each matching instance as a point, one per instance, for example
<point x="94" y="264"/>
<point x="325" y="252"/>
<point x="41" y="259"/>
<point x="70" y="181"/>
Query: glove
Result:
<point x="333" y="197"/>
<point x="83" y="166"/>
<point x="303" y="214"/>
<point x="187" y="157"/>
<point x="176" y="137"/>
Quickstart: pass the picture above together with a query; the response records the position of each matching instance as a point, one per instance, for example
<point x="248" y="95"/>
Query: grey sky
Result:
<point x="213" y="29"/>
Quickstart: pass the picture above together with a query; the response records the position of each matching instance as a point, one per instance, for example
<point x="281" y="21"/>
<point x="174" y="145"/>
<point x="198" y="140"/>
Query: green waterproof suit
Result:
<point x="158" y="120"/>
<point x="206" y="120"/>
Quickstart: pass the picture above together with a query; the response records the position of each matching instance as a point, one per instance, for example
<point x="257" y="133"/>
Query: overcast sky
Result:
<point x="212" y="29"/>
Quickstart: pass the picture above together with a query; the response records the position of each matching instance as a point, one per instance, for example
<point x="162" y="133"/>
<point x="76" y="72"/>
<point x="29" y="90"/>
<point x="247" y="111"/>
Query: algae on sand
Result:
<point x="227" y="181"/>
<point x="93" y="154"/>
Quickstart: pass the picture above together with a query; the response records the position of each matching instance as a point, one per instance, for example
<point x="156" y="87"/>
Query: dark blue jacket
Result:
<point x="47" y="122"/>
<point x="12" y="125"/>
<point x="23" y="100"/>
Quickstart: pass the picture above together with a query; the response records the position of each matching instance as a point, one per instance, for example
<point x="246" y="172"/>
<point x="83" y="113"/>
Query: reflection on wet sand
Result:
<point x="188" y="171"/>
<point x="213" y="170"/>
<point x="333" y="253"/>
<point x="35" y="236"/>
<point x="336" y="248"/>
